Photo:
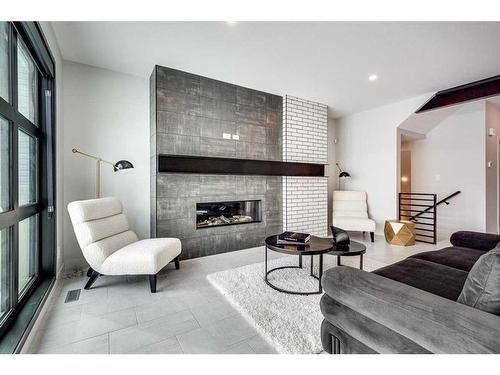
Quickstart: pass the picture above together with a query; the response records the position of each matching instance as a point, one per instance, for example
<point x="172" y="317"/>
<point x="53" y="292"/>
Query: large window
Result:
<point x="26" y="160"/>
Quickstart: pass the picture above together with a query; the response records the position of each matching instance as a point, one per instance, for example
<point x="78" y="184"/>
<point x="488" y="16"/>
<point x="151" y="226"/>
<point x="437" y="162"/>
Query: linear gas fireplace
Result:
<point x="214" y="214"/>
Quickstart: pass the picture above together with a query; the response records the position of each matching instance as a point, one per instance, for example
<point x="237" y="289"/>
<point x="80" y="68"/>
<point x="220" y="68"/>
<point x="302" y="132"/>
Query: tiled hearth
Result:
<point x="178" y="194"/>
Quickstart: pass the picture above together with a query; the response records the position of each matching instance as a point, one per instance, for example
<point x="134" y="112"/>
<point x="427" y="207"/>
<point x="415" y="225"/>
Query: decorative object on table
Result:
<point x="350" y="212"/>
<point x="119" y="165"/>
<point x="342" y="174"/>
<point x="348" y="250"/>
<point x="340" y="237"/>
<point x="400" y="232"/>
<point x="112" y="248"/>
<point x="293" y="238"/>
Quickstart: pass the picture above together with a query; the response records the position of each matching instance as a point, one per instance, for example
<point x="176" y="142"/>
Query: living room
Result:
<point x="246" y="187"/>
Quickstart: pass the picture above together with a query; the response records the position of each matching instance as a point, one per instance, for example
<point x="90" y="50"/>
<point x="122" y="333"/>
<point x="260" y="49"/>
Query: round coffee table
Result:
<point x="316" y="246"/>
<point x="355" y="248"/>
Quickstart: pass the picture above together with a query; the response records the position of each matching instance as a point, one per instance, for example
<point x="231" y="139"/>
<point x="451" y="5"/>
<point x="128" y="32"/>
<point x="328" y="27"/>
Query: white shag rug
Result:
<point x="290" y="323"/>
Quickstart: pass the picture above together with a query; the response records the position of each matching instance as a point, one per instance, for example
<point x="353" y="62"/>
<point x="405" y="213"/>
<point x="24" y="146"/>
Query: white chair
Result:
<point x="350" y="212"/>
<point x="111" y="248"/>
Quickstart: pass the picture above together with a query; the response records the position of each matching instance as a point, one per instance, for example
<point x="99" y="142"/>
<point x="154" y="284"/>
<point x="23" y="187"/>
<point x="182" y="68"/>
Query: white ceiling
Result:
<point x="328" y="62"/>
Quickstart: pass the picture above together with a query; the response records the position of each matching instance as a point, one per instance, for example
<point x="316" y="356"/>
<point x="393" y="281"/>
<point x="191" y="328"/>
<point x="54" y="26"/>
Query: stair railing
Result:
<point x="424" y="207"/>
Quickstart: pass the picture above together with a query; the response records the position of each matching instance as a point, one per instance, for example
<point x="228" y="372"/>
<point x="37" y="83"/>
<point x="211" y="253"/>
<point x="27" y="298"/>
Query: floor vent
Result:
<point x="72" y="296"/>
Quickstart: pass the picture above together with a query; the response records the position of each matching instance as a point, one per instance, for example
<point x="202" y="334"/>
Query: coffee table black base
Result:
<point x="320" y="273"/>
<point x="360" y="261"/>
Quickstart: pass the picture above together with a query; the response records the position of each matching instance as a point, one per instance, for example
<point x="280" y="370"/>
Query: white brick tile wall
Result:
<point x="305" y="140"/>
<point x="304" y="131"/>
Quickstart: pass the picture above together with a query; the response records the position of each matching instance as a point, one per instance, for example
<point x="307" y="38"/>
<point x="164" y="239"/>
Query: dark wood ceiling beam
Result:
<point x="471" y="91"/>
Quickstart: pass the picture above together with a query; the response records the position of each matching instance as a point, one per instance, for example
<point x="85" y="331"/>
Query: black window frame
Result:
<point x="44" y="132"/>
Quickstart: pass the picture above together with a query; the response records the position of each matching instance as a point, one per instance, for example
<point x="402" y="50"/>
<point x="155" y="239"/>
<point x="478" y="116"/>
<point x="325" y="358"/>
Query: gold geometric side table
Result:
<point x="400" y="232"/>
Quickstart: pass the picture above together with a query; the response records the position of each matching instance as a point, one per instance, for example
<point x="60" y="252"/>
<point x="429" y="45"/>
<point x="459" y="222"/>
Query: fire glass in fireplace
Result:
<point x="227" y="213"/>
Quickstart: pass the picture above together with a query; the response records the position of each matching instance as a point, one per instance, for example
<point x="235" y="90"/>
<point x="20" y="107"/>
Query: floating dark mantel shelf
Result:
<point x="210" y="165"/>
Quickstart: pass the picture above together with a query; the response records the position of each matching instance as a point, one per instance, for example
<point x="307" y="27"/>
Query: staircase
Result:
<point x="421" y="208"/>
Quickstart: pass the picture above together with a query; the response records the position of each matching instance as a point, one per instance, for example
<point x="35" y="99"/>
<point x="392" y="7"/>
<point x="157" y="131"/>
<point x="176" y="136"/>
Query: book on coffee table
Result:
<point x="293" y="238"/>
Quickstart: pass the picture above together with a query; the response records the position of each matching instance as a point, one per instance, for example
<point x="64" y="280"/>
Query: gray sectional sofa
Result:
<point x="410" y="306"/>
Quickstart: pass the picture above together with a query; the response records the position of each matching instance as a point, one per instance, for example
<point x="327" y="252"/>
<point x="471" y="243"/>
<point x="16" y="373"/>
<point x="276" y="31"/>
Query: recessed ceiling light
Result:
<point x="231" y="22"/>
<point x="372" y="77"/>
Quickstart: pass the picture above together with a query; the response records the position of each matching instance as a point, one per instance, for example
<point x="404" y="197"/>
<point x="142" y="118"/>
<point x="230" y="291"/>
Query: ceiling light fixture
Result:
<point x="231" y="22"/>
<point x="372" y="77"/>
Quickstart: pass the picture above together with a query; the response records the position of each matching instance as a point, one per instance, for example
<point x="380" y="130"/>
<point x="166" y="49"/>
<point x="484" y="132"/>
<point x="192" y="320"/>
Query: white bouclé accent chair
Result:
<point x="112" y="248"/>
<point x="350" y="212"/>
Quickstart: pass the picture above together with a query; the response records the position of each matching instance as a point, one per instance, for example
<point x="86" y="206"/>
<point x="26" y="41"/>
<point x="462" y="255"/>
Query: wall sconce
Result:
<point x="342" y="174"/>
<point x="119" y="165"/>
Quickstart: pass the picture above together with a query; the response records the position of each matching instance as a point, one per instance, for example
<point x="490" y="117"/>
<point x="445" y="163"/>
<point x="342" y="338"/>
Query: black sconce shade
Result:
<point x="342" y="174"/>
<point x="122" y="164"/>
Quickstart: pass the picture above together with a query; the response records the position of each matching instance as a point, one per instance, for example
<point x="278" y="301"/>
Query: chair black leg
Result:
<point x="177" y="264"/>
<point x="89" y="271"/>
<point x="372" y="236"/>
<point x="152" y="283"/>
<point x="93" y="277"/>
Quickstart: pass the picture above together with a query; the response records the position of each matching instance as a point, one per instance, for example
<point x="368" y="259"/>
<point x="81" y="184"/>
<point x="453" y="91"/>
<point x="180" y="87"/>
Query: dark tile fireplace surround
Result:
<point x="191" y="117"/>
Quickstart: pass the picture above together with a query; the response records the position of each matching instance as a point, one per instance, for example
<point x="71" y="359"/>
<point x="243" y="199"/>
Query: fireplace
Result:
<point x="214" y="214"/>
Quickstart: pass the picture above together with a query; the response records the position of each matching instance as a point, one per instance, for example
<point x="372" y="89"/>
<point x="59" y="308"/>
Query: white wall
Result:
<point x="54" y="48"/>
<point x="331" y="169"/>
<point x="368" y="149"/>
<point x="105" y="114"/>
<point x="451" y="158"/>
<point x="492" y="172"/>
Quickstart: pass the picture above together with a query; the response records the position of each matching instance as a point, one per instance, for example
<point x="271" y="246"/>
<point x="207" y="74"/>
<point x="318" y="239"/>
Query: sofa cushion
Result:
<point x="432" y="277"/>
<point x="475" y="240"/>
<point x="482" y="287"/>
<point x="456" y="257"/>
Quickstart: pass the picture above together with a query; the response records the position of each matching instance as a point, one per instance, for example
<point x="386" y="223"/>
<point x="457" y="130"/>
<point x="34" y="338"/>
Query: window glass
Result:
<point x="4" y="60"/>
<point x="4" y="165"/>
<point x="28" y="245"/>
<point x="27" y="170"/>
<point x="4" y="276"/>
<point x="27" y="83"/>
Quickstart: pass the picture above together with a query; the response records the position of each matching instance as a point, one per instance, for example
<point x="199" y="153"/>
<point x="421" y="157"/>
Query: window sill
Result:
<point x="14" y="338"/>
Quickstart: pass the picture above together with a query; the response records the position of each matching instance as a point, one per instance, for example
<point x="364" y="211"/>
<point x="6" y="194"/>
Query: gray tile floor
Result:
<point x="186" y="315"/>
